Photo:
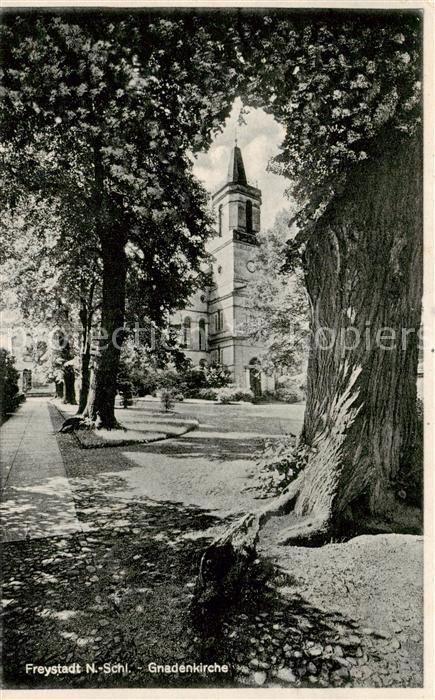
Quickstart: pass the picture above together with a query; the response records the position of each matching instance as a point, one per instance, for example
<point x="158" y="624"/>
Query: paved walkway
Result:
<point x="37" y="500"/>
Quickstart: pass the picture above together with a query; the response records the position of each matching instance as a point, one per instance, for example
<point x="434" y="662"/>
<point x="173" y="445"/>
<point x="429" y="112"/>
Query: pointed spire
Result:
<point x="236" y="169"/>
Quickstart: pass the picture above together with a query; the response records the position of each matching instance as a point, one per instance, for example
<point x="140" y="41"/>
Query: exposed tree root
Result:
<point x="227" y="560"/>
<point x="82" y="422"/>
<point x="75" y="423"/>
<point x="307" y="530"/>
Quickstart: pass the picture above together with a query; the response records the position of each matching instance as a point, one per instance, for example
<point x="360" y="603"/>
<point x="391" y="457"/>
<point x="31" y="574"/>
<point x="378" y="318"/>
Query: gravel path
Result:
<point x="345" y="615"/>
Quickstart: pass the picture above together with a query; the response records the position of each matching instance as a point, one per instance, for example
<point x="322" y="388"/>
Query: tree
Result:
<point x="347" y="87"/>
<point x="279" y="303"/>
<point x="348" y="90"/>
<point x="9" y="377"/>
<point x="140" y="111"/>
<point x="52" y="266"/>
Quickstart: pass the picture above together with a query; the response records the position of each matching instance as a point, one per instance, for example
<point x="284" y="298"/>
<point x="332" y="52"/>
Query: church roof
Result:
<point x="236" y="169"/>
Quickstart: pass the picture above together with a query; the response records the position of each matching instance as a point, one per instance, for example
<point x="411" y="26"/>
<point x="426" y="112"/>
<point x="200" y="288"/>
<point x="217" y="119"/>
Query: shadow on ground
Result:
<point x="120" y="591"/>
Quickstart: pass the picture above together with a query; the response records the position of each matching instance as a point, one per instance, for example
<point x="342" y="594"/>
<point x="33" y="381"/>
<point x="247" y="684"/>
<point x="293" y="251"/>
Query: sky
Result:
<point x="258" y="140"/>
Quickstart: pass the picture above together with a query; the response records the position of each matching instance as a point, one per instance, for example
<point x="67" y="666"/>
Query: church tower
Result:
<point x="237" y="208"/>
<point x="237" y="203"/>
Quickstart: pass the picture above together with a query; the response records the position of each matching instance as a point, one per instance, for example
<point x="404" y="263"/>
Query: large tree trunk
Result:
<point x="69" y="383"/>
<point x="364" y="279"/>
<point x="110" y="227"/>
<point x="363" y="269"/>
<point x="67" y="355"/>
<point x="86" y="316"/>
<point x="85" y="377"/>
<point x="101" y="400"/>
<point x="59" y="390"/>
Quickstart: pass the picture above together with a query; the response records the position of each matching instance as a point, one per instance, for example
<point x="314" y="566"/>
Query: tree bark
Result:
<point x="101" y="400"/>
<point x="364" y="278"/>
<point x="86" y="316"/>
<point x="69" y="384"/>
<point x="110" y="226"/>
<point x="85" y="377"/>
<point x="363" y="267"/>
<point x="68" y="373"/>
<point x="59" y="390"/>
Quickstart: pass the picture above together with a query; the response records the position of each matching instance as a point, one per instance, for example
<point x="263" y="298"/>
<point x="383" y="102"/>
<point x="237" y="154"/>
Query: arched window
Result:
<point x="220" y="210"/>
<point x="249" y="216"/>
<point x="187" y="332"/>
<point x="202" y="338"/>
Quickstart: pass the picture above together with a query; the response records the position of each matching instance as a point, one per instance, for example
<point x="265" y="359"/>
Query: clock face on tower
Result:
<point x="250" y="265"/>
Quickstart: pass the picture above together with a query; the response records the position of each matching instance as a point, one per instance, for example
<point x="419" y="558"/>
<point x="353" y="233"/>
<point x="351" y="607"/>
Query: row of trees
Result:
<point x="103" y="212"/>
<point x="101" y="114"/>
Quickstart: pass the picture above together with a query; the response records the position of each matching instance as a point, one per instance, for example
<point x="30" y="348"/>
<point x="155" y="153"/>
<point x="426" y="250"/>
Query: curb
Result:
<point x="90" y="440"/>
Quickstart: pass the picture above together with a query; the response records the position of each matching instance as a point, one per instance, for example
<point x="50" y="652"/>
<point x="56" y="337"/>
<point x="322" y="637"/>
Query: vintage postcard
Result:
<point x="216" y="333"/>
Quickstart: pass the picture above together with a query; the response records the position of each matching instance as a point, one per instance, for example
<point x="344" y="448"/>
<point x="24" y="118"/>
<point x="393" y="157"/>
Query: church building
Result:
<point x="213" y="327"/>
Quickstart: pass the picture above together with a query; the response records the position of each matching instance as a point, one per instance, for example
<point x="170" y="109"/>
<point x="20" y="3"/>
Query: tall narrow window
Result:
<point x="187" y="333"/>
<point x="219" y="320"/>
<point x="202" y="339"/>
<point x="249" y="216"/>
<point x="220" y="219"/>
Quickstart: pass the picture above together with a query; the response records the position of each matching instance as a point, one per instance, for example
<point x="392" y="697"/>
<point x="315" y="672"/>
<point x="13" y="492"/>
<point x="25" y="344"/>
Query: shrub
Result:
<point x="225" y="395"/>
<point x="217" y="376"/>
<point x="290" y="394"/>
<point x="279" y="463"/>
<point x="207" y="393"/>
<point x="126" y="391"/>
<point x="10" y="398"/>
<point x="243" y="395"/>
<point x="19" y="398"/>
<point x="168" y="379"/>
<point x="167" y="398"/>
<point x="193" y="380"/>
<point x="146" y="384"/>
<point x="232" y="393"/>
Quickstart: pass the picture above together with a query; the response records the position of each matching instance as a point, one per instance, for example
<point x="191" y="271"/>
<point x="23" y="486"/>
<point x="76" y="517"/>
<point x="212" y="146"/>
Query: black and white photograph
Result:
<point x="212" y="347"/>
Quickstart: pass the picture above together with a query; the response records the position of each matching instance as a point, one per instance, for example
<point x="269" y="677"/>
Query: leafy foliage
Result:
<point x="10" y="397"/>
<point x="336" y="82"/>
<point x="280" y="462"/>
<point x="114" y="101"/>
<point x="107" y="109"/>
<point x="279" y="304"/>
<point x="167" y="398"/>
<point x="230" y="394"/>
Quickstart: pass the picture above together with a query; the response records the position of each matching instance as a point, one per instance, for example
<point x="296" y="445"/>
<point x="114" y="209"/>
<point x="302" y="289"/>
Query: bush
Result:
<point x="10" y="397"/>
<point x="167" y="398"/>
<point x="290" y="394"/>
<point x="168" y="379"/>
<point x="19" y="398"/>
<point x="225" y="395"/>
<point x="145" y="385"/>
<point x="126" y="391"/>
<point x="243" y="395"/>
<point x="217" y="376"/>
<point x="193" y="380"/>
<point x="230" y="394"/>
<point x="209" y="394"/>
<point x="280" y="462"/>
